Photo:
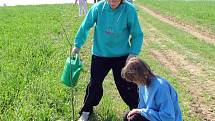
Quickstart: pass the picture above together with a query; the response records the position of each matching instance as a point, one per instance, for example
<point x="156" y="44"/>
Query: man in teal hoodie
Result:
<point x="115" y="21"/>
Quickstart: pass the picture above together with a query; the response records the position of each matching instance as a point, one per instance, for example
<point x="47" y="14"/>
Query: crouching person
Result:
<point x="158" y="100"/>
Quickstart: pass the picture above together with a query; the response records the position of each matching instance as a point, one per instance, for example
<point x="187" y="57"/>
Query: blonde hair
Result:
<point x="137" y="71"/>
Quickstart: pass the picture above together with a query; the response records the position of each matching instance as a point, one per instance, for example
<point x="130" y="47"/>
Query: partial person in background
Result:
<point x="158" y="100"/>
<point x="82" y="6"/>
<point x="113" y="21"/>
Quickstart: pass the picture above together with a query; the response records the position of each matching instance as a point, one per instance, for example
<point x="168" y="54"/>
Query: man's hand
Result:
<point x="75" y="50"/>
<point x="129" y="57"/>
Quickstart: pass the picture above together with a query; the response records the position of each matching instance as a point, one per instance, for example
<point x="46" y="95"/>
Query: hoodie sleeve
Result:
<point x="83" y="31"/>
<point x="166" y="107"/>
<point x="135" y="31"/>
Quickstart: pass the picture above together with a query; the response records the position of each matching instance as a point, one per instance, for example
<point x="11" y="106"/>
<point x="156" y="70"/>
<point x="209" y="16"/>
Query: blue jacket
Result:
<point x="159" y="101"/>
<point x="112" y="30"/>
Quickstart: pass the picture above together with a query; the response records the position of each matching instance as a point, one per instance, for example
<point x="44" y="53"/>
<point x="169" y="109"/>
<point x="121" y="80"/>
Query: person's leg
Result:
<point x="80" y="7"/>
<point x="127" y="90"/>
<point x="135" y="117"/>
<point x="85" y="6"/>
<point x="94" y="91"/>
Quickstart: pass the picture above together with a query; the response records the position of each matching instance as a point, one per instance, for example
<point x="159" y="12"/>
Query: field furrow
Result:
<point x="194" y="72"/>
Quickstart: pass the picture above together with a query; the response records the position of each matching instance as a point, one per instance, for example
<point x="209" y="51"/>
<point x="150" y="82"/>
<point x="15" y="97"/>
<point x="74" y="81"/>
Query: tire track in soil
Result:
<point x="206" y="36"/>
<point x="200" y="69"/>
<point x="175" y="62"/>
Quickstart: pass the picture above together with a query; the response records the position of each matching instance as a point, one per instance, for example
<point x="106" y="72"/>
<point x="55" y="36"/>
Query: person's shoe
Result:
<point x="84" y="116"/>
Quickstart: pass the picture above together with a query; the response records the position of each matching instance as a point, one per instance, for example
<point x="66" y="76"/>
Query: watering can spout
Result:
<point x="72" y="69"/>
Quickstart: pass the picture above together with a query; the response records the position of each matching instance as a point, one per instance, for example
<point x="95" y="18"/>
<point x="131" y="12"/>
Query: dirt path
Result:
<point x="201" y="91"/>
<point x="175" y="62"/>
<point x="206" y="36"/>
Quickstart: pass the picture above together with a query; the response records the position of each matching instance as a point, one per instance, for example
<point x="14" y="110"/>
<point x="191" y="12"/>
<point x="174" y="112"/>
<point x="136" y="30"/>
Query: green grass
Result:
<point x="33" y="52"/>
<point x="163" y="71"/>
<point x="194" y="50"/>
<point x="200" y="13"/>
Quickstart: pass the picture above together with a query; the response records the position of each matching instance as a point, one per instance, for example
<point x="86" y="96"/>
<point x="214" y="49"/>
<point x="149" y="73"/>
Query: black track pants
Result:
<point x="100" y="66"/>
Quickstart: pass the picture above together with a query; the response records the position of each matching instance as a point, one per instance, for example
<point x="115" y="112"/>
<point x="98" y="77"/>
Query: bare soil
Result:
<point x="202" y="92"/>
<point x="201" y="34"/>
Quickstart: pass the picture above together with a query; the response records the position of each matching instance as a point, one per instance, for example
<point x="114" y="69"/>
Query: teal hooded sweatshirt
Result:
<point x="112" y="30"/>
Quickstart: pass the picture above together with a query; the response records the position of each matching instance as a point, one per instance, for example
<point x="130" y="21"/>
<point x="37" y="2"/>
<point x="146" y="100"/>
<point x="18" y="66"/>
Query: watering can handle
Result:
<point x="76" y="58"/>
<point x="73" y="52"/>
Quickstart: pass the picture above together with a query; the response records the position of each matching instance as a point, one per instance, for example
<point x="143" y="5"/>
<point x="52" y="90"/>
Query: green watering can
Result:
<point x="72" y="69"/>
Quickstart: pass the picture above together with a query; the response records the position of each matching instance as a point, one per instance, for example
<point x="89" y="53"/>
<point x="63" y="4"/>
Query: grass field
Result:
<point x="189" y="59"/>
<point x="200" y="14"/>
<point x="33" y="50"/>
